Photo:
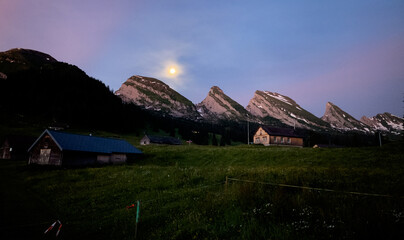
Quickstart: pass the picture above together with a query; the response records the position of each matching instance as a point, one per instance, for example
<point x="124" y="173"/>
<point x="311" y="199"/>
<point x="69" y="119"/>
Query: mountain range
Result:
<point x="35" y="85"/>
<point x="269" y="108"/>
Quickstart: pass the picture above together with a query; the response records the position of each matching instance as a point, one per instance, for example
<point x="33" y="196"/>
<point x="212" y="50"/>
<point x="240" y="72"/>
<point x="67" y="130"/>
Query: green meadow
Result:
<point x="184" y="194"/>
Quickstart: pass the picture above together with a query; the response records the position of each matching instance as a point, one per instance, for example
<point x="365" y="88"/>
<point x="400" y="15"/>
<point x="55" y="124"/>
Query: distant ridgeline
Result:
<point x="37" y="89"/>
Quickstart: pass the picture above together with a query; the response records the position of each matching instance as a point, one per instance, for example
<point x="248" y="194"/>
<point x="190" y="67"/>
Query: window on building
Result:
<point x="276" y="139"/>
<point x="264" y="139"/>
<point x="282" y="139"/>
<point x="289" y="140"/>
<point x="257" y="140"/>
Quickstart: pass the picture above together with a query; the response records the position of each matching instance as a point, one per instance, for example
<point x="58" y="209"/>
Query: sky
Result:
<point x="350" y="53"/>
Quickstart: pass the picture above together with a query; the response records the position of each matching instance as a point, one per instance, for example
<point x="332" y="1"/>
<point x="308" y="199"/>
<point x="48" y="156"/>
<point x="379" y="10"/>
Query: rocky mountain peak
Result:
<point x="385" y="122"/>
<point x="218" y="106"/>
<point x="153" y="94"/>
<point x="266" y="104"/>
<point x="216" y="90"/>
<point x="341" y="120"/>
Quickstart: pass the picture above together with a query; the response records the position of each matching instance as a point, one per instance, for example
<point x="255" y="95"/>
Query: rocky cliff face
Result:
<point x="269" y="104"/>
<point x="153" y="94"/>
<point x="386" y="122"/>
<point x="218" y="106"/>
<point x="341" y="120"/>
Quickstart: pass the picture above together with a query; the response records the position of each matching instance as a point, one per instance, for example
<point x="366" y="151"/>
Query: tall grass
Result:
<point x="183" y="195"/>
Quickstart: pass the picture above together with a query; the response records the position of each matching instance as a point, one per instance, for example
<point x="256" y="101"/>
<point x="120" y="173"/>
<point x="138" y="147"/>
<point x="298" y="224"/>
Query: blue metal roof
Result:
<point x="85" y="143"/>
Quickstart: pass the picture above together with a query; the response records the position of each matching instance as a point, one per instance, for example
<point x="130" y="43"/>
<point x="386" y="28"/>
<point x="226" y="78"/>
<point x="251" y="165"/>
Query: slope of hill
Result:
<point x="22" y="59"/>
<point x="341" y="120"/>
<point x="218" y="106"/>
<point x="153" y="94"/>
<point x="270" y="104"/>
<point x="39" y="89"/>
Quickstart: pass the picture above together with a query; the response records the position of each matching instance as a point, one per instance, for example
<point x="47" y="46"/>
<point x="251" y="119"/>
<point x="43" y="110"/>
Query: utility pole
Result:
<point x="248" y="132"/>
<point x="380" y="140"/>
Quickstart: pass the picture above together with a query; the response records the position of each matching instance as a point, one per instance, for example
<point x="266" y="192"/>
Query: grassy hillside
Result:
<point x="184" y="196"/>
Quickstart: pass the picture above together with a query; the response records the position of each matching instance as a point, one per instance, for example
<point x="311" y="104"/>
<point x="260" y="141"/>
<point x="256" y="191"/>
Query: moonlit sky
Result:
<point x="348" y="52"/>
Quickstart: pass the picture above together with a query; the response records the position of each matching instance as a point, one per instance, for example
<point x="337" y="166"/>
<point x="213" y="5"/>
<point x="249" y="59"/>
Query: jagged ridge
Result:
<point x="153" y="94"/>
<point x="341" y="120"/>
<point x="270" y="104"/>
<point x="218" y="106"/>
<point x="386" y="122"/>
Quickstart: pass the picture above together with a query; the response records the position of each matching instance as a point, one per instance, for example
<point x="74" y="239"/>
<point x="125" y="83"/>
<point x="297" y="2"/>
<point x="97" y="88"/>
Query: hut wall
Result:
<point x="288" y="141"/>
<point x="266" y="140"/>
<point x="75" y="158"/>
<point x="103" y="158"/>
<point x="45" y="152"/>
<point x="145" y="141"/>
<point x="118" y="158"/>
<point x="297" y="142"/>
<point x="261" y="137"/>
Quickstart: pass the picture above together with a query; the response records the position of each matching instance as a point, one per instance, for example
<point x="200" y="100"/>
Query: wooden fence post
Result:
<point x="137" y="217"/>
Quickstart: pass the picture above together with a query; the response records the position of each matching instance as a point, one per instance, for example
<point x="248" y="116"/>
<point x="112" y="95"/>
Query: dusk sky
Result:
<point x="349" y="52"/>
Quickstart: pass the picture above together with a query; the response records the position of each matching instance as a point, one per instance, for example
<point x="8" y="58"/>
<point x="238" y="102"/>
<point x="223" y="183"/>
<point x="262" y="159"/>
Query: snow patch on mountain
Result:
<point x="385" y="122"/>
<point x="286" y="110"/>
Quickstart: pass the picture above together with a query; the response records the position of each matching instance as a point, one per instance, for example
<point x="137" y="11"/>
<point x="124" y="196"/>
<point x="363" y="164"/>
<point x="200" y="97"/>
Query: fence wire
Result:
<point x="312" y="188"/>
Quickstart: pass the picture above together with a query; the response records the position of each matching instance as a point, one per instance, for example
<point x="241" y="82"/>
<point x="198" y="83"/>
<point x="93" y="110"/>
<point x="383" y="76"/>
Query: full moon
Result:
<point x="172" y="70"/>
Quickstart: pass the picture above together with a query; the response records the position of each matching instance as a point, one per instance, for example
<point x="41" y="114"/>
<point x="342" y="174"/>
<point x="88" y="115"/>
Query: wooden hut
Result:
<point x="60" y="148"/>
<point x="146" y="140"/>
<point x="277" y="136"/>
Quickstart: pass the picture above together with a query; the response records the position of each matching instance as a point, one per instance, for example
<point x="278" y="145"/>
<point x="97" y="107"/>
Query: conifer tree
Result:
<point x="214" y="140"/>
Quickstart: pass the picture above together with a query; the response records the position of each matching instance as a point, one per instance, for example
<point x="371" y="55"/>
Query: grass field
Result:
<point x="183" y="195"/>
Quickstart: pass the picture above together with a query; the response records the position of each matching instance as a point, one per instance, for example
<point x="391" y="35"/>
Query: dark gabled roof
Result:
<point x="85" y="143"/>
<point x="284" y="132"/>
<point x="164" y="140"/>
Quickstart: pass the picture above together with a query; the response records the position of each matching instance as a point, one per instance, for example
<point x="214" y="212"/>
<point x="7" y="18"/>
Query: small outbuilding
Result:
<point x="67" y="149"/>
<point x="146" y="140"/>
<point x="277" y="136"/>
